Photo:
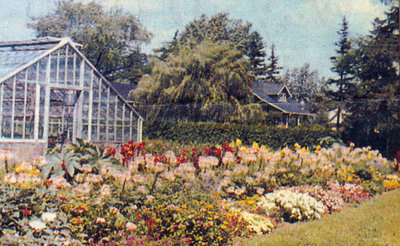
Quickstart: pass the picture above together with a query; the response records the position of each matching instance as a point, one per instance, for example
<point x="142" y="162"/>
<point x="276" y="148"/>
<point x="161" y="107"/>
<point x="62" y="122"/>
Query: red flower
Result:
<point x="63" y="198"/>
<point x="27" y="211"/>
<point x="110" y="151"/>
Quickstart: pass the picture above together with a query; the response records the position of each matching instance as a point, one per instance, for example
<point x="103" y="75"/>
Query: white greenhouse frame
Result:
<point x="39" y="77"/>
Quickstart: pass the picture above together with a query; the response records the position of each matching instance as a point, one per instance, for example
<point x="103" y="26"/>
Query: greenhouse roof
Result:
<point x="16" y="54"/>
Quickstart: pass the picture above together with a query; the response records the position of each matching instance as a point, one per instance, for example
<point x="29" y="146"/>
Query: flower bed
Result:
<point x="85" y="194"/>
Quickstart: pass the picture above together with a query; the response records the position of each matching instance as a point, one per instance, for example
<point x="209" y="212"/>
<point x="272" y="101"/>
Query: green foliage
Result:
<point x="205" y="220"/>
<point x="20" y="207"/>
<point x="215" y="133"/>
<point x="107" y="37"/>
<point x="342" y="88"/>
<point x="375" y="108"/>
<point x="65" y="162"/>
<point x="208" y="81"/>
<point x="219" y="28"/>
<point x="304" y="84"/>
<point x="272" y="68"/>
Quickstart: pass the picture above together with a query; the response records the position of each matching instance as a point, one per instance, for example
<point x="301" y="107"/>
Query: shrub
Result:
<point x="216" y="133"/>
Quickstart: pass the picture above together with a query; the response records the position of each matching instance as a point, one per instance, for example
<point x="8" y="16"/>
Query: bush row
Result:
<point x="215" y="133"/>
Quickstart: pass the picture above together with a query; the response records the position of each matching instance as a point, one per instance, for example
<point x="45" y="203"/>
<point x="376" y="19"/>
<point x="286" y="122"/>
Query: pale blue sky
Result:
<point x="302" y="30"/>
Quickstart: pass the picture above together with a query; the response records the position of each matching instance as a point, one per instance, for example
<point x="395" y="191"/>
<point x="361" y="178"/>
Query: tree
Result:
<point x="375" y="111"/>
<point x="220" y="28"/>
<point x="398" y="17"/>
<point x="207" y="81"/>
<point x="255" y="53"/>
<point x="341" y="88"/>
<point x="303" y="83"/>
<point x="272" y="69"/>
<point x="111" y="39"/>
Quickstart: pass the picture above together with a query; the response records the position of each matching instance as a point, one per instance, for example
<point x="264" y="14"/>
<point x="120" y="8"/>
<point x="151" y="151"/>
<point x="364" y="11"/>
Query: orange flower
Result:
<point x="77" y="221"/>
<point x="82" y="209"/>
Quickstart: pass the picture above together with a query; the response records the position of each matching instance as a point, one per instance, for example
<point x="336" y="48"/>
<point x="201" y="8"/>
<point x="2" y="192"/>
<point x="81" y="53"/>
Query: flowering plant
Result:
<point x="292" y="206"/>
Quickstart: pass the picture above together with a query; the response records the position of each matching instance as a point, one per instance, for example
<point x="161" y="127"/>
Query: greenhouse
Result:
<point x="50" y="93"/>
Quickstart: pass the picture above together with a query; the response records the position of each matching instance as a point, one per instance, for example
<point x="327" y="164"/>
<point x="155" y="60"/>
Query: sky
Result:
<point x="303" y="31"/>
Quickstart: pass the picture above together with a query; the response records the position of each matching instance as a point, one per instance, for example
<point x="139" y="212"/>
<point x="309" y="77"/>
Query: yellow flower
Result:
<point x="238" y="142"/>
<point x="251" y="202"/>
<point x="24" y="185"/>
<point x="34" y="172"/>
<point x="255" y="146"/>
<point x="297" y="146"/>
<point x="184" y="206"/>
<point x="18" y="168"/>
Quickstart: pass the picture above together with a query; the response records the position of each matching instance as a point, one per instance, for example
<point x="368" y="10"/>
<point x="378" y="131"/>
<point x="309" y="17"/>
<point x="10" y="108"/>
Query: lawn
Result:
<point x="374" y="222"/>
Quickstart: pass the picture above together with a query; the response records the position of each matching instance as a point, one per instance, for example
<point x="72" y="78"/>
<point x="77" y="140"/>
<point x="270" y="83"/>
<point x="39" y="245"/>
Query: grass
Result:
<point x="374" y="222"/>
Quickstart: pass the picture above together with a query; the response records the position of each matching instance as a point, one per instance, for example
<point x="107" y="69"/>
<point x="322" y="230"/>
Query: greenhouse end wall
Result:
<point x="59" y="96"/>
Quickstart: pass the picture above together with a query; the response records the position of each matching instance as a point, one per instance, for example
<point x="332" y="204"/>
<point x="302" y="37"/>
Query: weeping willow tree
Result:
<point x="205" y="82"/>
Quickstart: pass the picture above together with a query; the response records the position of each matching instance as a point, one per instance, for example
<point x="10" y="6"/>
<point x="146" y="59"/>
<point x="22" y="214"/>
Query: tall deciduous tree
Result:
<point x="303" y="83"/>
<point x="111" y="39"/>
<point x="202" y="82"/>
<point x="272" y="68"/>
<point x="341" y="88"/>
<point x="220" y="28"/>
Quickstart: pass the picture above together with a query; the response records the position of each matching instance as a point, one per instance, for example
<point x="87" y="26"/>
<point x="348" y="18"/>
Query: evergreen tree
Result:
<point x="375" y="112"/>
<point x="255" y="52"/>
<point x="273" y="69"/>
<point x="341" y="88"/>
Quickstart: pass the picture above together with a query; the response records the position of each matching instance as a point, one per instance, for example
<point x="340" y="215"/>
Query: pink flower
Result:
<point x="131" y="227"/>
<point x="10" y="178"/>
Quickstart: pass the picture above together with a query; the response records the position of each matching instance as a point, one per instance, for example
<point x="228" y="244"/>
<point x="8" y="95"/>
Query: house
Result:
<point x="50" y="92"/>
<point x="277" y="97"/>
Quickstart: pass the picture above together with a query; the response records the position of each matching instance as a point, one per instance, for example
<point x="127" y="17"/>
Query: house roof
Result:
<point x="264" y="91"/>
<point x="123" y="89"/>
<point x="269" y="88"/>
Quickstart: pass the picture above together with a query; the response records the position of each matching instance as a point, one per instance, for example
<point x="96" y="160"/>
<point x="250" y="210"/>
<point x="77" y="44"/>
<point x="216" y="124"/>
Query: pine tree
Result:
<point x="273" y="69"/>
<point x="342" y="86"/>
<point x="254" y="49"/>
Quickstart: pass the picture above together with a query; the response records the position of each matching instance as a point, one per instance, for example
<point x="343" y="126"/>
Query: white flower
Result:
<point x="105" y="191"/>
<point x="37" y="225"/>
<point x="100" y="220"/>
<point x="49" y="217"/>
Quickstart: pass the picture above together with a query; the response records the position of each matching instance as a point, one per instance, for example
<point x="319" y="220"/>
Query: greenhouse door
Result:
<point x="64" y="116"/>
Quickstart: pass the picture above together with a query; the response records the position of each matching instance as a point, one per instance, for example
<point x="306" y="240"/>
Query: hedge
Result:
<point x="217" y="133"/>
